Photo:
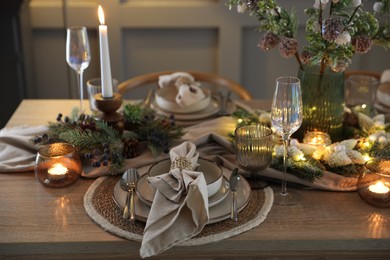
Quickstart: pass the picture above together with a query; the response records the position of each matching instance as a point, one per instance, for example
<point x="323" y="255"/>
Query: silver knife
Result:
<point x="233" y="181"/>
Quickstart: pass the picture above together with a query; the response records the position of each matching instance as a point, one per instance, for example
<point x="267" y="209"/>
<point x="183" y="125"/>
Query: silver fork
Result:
<point x="128" y="181"/>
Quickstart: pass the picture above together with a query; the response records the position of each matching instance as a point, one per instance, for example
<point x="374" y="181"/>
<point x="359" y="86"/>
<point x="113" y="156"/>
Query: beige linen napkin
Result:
<point x="180" y="206"/>
<point x="17" y="151"/>
<point x="188" y="90"/>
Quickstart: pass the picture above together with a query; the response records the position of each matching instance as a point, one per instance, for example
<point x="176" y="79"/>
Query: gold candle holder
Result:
<point x="109" y="107"/>
<point x="57" y="165"/>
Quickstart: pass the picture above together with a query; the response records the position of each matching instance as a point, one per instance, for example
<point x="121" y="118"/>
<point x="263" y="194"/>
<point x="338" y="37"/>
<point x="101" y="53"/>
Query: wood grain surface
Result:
<point x="37" y="222"/>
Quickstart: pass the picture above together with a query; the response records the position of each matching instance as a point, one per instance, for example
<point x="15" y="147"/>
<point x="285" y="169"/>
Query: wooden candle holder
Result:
<point x="109" y="107"/>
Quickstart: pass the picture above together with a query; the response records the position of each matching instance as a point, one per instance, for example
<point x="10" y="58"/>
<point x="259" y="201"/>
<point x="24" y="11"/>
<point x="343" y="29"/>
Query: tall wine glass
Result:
<point x="286" y="116"/>
<point x="78" y="54"/>
<point x="253" y="145"/>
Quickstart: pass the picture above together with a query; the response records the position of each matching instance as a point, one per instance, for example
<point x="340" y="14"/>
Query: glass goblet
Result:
<point x="253" y="145"/>
<point x="78" y="55"/>
<point x="286" y="117"/>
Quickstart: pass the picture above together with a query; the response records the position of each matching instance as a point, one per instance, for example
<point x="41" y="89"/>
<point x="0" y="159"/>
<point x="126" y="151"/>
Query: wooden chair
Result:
<point x="374" y="74"/>
<point x="203" y="77"/>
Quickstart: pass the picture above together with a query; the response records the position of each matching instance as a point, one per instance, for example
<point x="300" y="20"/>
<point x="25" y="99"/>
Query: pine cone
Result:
<point x="333" y="27"/>
<point x="131" y="148"/>
<point x="288" y="47"/>
<point x="362" y="44"/>
<point x="269" y="41"/>
<point x="306" y="57"/>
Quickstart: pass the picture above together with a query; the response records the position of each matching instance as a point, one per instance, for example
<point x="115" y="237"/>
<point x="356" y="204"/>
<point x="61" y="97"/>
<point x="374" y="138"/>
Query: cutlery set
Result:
<point x="130" y="178"/>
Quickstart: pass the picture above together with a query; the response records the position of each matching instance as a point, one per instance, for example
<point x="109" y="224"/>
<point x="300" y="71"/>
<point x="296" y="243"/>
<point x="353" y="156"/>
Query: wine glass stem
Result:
<point x="284" y="181"/>
<point x="80" y="83"/>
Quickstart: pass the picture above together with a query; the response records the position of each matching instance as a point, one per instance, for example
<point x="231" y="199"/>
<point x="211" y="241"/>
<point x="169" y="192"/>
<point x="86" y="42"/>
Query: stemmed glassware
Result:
<point x="286" y="116"/>
<point x="78" y="54"/>
<point x="253" y="145"/>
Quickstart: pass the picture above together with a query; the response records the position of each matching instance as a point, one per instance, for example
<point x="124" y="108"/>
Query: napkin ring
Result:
<point x="182" y="163"/>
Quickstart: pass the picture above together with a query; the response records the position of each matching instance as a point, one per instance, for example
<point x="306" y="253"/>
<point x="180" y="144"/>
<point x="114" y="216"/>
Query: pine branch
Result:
<point x="309" y="169"/>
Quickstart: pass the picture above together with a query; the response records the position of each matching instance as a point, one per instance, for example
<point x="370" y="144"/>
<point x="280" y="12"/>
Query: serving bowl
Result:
<point x="165" y="98"/>
<point x="211" y="171"/>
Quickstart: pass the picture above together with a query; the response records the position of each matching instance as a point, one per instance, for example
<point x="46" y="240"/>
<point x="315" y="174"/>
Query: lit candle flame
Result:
<point x="379" y="188"/>
<point x="58" y="169"/>
<point x="101" y="14"/>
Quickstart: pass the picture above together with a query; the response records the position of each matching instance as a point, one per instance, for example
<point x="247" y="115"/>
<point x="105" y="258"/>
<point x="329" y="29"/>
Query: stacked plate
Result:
<point x="164" y="104"/>
<point x="383" y="98"/>
<point x="219" y="203"/>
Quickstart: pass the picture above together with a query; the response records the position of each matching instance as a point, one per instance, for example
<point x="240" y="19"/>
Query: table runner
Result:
<point x="100" y="207"/>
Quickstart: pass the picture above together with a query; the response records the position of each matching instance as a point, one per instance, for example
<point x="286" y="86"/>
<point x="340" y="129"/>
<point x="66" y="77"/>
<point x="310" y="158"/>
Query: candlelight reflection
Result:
<point x="62" y="209"/>
<point x="377" y="225"/>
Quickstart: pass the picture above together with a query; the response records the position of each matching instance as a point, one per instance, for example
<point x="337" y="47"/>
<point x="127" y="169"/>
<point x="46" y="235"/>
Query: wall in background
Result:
<point x="153" y="35"/>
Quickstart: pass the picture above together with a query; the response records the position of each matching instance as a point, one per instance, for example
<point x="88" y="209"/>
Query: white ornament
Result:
<point x="343" y="38"/>
<point x="377" y="7"/>
<point x="382" y="139"/>
<point x="241" y="8"/>
<point x="356" y="3"/>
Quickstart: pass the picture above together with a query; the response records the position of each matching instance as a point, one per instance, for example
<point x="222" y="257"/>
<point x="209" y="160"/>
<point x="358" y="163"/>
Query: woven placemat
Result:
<point x="101" y="208"/>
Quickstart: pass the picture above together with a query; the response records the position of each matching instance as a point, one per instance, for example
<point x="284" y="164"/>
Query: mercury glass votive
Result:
<point x="57" y="165"/>
<point x="317" y="138"/>
<point x="374" y="188"/>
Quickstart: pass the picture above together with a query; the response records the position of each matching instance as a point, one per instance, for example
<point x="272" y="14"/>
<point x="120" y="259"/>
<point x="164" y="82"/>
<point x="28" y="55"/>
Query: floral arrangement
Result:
<point x="106" y="146"/>
<point x="370" y="142"/>
<point x="335" y="30"/>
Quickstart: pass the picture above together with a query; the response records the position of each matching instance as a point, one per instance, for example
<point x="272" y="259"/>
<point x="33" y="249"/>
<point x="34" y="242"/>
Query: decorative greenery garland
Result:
<point x="370" y="143"/>
<point x="104" y="145"/>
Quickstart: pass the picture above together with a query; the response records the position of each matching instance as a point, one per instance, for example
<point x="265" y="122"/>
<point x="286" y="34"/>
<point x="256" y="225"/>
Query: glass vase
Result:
<point x="323" y="102"/>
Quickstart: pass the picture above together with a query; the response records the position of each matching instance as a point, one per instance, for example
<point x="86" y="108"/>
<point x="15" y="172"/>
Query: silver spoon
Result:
<point x="233" y="181"/>
<point x="128" y="181"/>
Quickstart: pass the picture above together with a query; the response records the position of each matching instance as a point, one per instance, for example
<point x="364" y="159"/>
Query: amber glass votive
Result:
<point x="58" y="165"/>
<point x="374" y="188"/>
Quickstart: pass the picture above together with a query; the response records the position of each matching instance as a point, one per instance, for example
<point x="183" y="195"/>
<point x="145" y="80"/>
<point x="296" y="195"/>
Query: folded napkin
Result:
<point x="385" y="76"/>
<point x="180" y="206"/>
<point x="17" y="151"/>
<point x="188" y="90"/>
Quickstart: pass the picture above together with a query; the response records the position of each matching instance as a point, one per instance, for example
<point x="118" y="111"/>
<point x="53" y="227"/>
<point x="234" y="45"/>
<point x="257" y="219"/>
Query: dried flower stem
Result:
<point x="299" y="60"/>
<point x="353" y="14"/>
<point x="320" y="19"/>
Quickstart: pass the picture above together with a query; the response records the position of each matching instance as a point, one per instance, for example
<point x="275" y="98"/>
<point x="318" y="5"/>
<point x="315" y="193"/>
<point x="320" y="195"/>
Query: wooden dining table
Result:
<point x="38" y="222"/>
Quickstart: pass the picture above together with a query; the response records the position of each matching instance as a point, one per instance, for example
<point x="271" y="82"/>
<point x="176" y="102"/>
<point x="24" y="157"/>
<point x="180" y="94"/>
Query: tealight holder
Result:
<point x="317" y="138"/>
<point x="58" y="165"/>
<point x="374" y="188"/>
<point x="109" y="107"/>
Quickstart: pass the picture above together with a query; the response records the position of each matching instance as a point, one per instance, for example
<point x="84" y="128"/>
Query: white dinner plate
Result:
<point x="219" y="212"/>
<point x="146" y="192"/>
<point x="210" y="110"/>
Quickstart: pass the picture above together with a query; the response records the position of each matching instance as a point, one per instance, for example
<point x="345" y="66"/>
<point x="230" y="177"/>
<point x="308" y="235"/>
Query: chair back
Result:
<point x="210" y="78"/>
<point x="374" y="74"/>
